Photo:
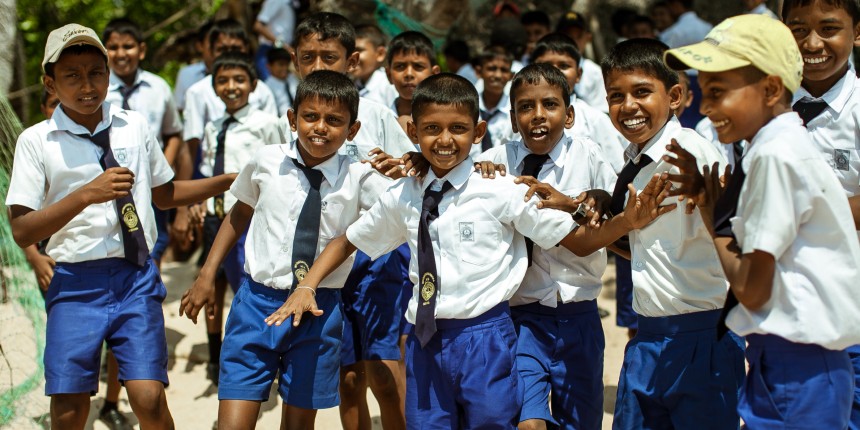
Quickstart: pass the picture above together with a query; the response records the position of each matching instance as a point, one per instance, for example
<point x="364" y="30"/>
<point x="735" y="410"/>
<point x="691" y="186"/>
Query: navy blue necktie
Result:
<point x="126" y="93"/>
<point x="619" y="194"/>
<point x="487" y="141"/>
<point x="308" y="226"/>
<point x="531" y="167"/>
<point x="809" y="109"/>
<point x="133" y="238"/>
<point x="218" y="168"/>
<point x="425" y="317"/>
<point x="724" y="210"/>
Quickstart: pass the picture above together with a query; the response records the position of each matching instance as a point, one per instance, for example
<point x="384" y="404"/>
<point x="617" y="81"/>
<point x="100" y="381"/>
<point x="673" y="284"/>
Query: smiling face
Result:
<point x="639" y="104"/>
<point x="445" y="134"/>
<point x="825" y="35"/>
<point x="563" y="62"/>
<point x="735" y="102"/>
<point x="313" y="54"/>
<point x="539" y="115"/>
<point x="321" y="127"/>
<point x="124" y="55"/>
<point x="407" y="70"/>
<point x="370" y="58"/>
<point x="233" y="86"/>
<point x="80" y="81"/>
<point x="496" y="73"/>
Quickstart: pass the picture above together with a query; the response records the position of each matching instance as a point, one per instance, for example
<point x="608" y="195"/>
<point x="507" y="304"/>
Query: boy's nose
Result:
<point x="813" y="42"/>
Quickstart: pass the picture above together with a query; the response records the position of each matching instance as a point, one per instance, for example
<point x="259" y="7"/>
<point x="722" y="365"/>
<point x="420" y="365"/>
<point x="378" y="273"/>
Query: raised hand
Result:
<point x="488" y="169"/>
<point x="112" y="184"/>
<point x="300" y="301"/>
<point x="691" y="183"/>
<point x="645" y="207"/>
<point x="550" y="198"/>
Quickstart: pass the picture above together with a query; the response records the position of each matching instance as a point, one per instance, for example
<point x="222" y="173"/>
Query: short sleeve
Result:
<point x="171" y="123"/>
<point x="373" y="185"/>
<point x="395" y="141"/>
<point x="269" y="10"/>
<point x="160" y="170"/>
<point x="266" y="100"/>
<point x="604" y="173"/>
<point x="28" y="181"/>
<point x="194" y="116"/>
<point x="244" y="188"/>
<point x="382" y="228"/>
<point x="546" y="227"/>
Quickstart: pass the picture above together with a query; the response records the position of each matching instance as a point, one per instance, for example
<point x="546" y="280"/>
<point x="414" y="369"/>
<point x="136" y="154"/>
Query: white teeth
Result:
<point x="232" y="96"/>
<point x="447" y="152"/>
<point x="86" y="99"/>
<point x="814" y="60"/>
<point x="718" y="124"/>
<point x="318" y="140"/>
<point x="540" y="130"/>
<point x="634" y="122"/>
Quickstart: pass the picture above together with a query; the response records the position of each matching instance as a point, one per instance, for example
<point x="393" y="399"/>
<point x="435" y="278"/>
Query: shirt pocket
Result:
<point x="130" y="157"/>
<point x="479" y="242"/>
<point x="331" y="217"/>
<point x="667" y="232"/>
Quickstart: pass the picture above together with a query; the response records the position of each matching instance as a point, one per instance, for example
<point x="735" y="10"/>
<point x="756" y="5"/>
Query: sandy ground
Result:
<point x="193" y="399"/>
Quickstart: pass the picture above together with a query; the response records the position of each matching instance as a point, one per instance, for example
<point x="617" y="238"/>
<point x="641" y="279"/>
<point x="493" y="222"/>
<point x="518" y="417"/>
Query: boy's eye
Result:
<point x="642" y="92"/>
<point x="432" y="128"/>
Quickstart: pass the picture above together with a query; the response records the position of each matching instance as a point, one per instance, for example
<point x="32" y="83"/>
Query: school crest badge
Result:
<point x="428" y="287"/>
<point x="467" y="232"/>
<point x="219" y="207"/>
<point x="300" y="270"/>
<point x="841" y="157"/>
<point x="129" y="217"/>
<point x="352" y="151"/>
<point x="120" y="155"/>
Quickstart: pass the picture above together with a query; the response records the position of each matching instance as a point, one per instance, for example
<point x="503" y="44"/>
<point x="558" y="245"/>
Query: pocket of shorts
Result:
<point x="769" y="393"/>
<point x="479" y="242"/>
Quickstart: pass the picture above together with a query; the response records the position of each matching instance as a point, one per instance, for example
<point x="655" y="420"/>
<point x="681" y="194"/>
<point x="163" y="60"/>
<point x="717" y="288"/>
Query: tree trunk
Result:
<point x="8" y="27"/>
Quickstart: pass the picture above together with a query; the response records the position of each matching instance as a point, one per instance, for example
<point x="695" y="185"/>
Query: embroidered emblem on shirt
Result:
<point x="428" y="287"/>
<point x="120" y="155"/>
<point x="129" y="217"/>
<point x="841" y="157"/>
<point x="219" y="207"/>
<point x="300" y="269"/>
<point x="467" y="232"/>
<point x="352" y="151"/>
<point x="324" y="205"/>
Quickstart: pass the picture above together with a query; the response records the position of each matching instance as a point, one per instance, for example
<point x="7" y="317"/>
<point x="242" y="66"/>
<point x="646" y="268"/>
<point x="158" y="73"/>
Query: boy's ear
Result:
<point x="480" y="131"/>
<point x="569" y="117"/>
<point x="857" y="34"/>
<point x="142" y="50"/>
<point x="675" y="95"/>
<point x="380" y="54"/>
<point x="49" y="84"/>
<point x="388" y="74"/>
<point x="254" y="85"/>
<point x="578" y="76"/>
<point x="436" y="70"/>
<point x="773" y="90"/>
<point x="412" y="131"/>
<point x="291" y="118"/>
<point x="514" y="122"/>
<point x="352" y="62"/>
<point x="353" y="130"/>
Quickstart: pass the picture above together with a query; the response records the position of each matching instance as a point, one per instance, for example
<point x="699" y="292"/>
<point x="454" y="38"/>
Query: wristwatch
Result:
<point x="580" y="212"/>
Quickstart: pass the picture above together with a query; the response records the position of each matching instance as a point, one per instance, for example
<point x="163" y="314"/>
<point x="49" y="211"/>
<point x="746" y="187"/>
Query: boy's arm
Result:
<point x="172" y="146"/>
<point x="43" y="266"/>
<point x="30" y="226"/>
<point x="854" y="203"/>
<point x="750" y="275"/>
<point x="202" y="293"/>
<point x="303" y="298"/>
<point x="182" y="193"/>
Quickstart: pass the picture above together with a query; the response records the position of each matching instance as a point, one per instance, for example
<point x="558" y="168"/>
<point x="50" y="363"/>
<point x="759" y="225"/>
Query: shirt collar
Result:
<point x="242" y="114"/>
<point x="330" y="168"/>
<point x="656" y="146"/>
<point x="457" y="176"/>
<point x="777" y="125"/>
<point x="836" y="97"/>
<point x="61" y="122"/>
<point x="115" y="82"/>
<point x="557" y="154"/>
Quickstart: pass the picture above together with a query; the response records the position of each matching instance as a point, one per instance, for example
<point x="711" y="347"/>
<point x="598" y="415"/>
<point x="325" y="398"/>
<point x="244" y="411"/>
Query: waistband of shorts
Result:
<point x="105" y="263"/>
<point x="499" y="311"/>
<point x="561" y="309"/>
<point x="673" y="324"/>
<point x="278" y="293"/>
<point x="772" y="342"/>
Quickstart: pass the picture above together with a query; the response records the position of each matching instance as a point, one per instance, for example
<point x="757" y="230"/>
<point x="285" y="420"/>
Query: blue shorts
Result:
<point x="795" y="386"/>
<point x="676" y="374"/>
<point x="233" y="266"/>
<point x="305" y="359"/>
<point x="162" y="220"/>
<point x="854" y="355"/>
<point x="625" y="316"/>
<point x="373" y="299"/>
<point x="560" y="354"/>
<point x="466" y="375"/>
<point x="108" y="300"/>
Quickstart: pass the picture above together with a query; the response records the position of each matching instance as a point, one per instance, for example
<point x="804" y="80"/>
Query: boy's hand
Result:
<point x="692" y="183"/>
<point x="488" y="169"/>
<point x="597" y="202"/>
<point x="112" y="184"/>
<point x="196" y="214"/>
<point x="385" y="164"/>
<point x="415" y="164"/>
<point x="43" y="267"/>
<point x="550" y="198"/>
<point x="643" y="208"/>
<point x="715" y="185"/>
<point x="300" y="301"/>
<point x="200" y="295"/>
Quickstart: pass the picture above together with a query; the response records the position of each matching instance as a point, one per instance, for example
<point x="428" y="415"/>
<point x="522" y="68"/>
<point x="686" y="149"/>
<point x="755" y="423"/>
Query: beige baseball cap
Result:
<point x="744" y="40"/>
<point x="68" y="35"/>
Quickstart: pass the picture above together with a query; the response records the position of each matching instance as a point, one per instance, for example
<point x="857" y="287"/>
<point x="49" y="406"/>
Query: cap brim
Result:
<point x="703" y="56"/>
<point x="82" y="39"/>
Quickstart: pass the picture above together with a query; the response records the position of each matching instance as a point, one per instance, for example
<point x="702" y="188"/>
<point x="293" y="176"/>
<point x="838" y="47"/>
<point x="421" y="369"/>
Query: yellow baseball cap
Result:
<point x="68" y="35"/>
<point x="744" y="40"/>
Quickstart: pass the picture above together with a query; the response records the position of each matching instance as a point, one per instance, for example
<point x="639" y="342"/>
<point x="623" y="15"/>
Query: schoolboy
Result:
<point x="782" y="229"/>
<point x="230" y="143"/>
<point x="826" y="33"/>
<point x="559" y="335"/>
<point x="467" y="275"/>
<point x="282" y="83"/>
<point x="189" y="74"/>
<point x="678" y="287"/>
<point x="537" y="25"/>
<point x="133" y="88"/>
<point x="493" y="100"/>
<point x="369" y="74"/>
<point x="64" y="185"/>
<point x="560" y="51"/>
<point x="326" y="41"/>
<point x="590" y="87"/>
<point x="410" y="59"/>
<point x="327" y="191"/>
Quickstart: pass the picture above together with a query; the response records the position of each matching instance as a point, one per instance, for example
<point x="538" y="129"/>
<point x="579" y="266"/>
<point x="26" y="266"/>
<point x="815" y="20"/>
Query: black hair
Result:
<point x="230" y="28"/>
<point x="277" y="54"/>
<point x="556" y="42"/>
<point x="446" y="89"/>
<point x="508" y="32"/>
<point x="372" y="33"/>
<point x="458" y="50"/>
<point x="234" y="60"/>
<point x="642" y="19"/>
<point x="620" y="18"/>
<point x="495" y="52"/>
<point x="331" y="87"/>
<point x="203" y="31"/>
<point x="327" y="25"/>
<point x="535" y="17"/>
<point x="688" y="4"/>
<point x="644" y="55"/>
<point x="850" y="6"/>
<point x="533" y="74"/>
<point x="410" y="42"/>
<point x="74" y="50"/>
<point x="123" y="26"/>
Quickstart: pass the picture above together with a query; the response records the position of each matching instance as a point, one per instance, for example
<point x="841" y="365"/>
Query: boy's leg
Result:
<point x="854" y="355"/>
<point x="110" y="414"/>
<point x="625" y="316"/>
<point x="354" y="412"/>
<point x="430" y="394"/>
<point x="69" y="411"/>
<point x="798" y="385"/>
<point x="238" y="414"/>
<point x="295" y="418"/>
<point x="535" y="342"/>
<point x="149" y="404"/>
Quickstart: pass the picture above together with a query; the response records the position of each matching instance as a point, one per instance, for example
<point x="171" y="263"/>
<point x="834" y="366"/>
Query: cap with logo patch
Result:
<point x="68" y="35"/>
<point x="740" y="41"/>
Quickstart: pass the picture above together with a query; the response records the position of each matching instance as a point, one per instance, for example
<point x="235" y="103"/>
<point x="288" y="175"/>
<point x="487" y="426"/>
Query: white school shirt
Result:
<point x="252" y="130"/>
<point x="202" y="105"/>
<point x="277" y="189"/>
<point x="51" y="162"/>
<point x="187" y="76"/>
<point x="499" y="125"/>
<point x="687" y="30"/>
<point x="378" y="88"/>
<point x="468" y="72"/>
<point x="575" y="165"/>
<point x="597" y="126"/>
<point x="793" y="208"/>
<point x="280" y="18"/>
<point x="477" y="240"/>
<point x="836" y="131"/>
<point x="379" y="128"/>
<point x="762" y="9"/>
<point x="153" y="99"/>
<point x="590" y="87"/>
<point x="675" y="266"/>
<point x="284" y="91"/>
<point x="706" y="129"/>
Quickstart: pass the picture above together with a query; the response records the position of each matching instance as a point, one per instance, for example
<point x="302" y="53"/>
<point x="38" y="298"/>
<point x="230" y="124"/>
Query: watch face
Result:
<point x="580" y="212"/>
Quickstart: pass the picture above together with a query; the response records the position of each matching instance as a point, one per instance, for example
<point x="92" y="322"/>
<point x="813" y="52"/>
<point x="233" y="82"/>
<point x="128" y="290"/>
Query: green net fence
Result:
<point x="22" y="317"/>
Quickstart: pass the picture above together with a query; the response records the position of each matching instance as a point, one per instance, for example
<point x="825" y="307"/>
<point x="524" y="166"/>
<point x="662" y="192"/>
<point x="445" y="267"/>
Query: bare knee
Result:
<point x="69" y="411"/>
<point x="532" y="424"/>
<point x="352" y="380"/>
<point x="148" y="401"/>
<point x="382" y="376"/>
